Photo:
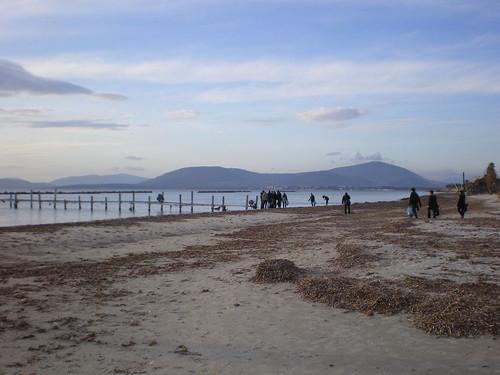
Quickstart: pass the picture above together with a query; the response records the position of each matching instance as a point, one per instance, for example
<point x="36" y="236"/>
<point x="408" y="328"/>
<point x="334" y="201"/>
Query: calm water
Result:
<point x="234" y="202"/>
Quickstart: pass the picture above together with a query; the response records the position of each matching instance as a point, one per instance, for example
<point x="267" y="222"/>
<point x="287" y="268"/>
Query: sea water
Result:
<point x="234" y="201"/>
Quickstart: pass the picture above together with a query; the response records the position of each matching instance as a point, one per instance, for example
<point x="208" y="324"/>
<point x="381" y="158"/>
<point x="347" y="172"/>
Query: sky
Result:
<point x="146" y="87"/>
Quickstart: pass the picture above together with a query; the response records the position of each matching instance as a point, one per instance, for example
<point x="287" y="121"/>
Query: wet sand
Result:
<point x="120" y="297"/>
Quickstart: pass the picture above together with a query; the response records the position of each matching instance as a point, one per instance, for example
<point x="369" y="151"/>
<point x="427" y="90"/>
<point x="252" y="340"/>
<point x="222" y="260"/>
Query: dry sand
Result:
<point x="121" y="297"/>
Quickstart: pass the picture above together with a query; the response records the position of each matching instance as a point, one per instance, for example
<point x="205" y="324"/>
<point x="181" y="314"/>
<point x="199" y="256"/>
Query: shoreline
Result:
<point x="174" y="217"/>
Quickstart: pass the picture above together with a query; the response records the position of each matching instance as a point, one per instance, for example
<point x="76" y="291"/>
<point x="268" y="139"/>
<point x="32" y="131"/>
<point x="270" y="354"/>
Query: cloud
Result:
<point x="23" y="112"/>
<point x="329" y="115"/>
<point x="266" y="121"/>
<point x="221" y="81"/>
<point x="334" y="153"/>
<point x="359" y="158"/>
<point x="182" y="114"/>
<point x="14" y="80"/>
<point x="134" y="158"/>
<point x="77" y="124"/>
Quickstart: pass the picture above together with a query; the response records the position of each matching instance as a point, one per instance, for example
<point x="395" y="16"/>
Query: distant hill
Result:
<point x="368" y="175"/>
<point x="17" y="183"/>
<point x="98" y="180"/>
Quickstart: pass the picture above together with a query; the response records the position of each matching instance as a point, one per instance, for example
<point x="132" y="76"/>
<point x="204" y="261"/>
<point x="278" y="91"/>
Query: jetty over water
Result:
<point x="90" y="199"/>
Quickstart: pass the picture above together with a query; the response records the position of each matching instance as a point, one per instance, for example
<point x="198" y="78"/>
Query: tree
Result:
<point x="490" y="178"/>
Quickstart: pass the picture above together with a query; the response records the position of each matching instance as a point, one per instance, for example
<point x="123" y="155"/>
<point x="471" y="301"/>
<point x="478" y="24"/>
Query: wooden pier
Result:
<point x="85" y="200"/>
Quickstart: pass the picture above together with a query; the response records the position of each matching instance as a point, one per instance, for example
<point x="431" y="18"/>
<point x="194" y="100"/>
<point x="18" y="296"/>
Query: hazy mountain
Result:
<point x="113" y="179"/>
<point x="17" y="183"/>
<point x="368" y="175"/>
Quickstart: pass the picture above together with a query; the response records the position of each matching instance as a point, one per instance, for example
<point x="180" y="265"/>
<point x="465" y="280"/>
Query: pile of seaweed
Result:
<point x="440" y="307"/>
<point x="275" y="271"/>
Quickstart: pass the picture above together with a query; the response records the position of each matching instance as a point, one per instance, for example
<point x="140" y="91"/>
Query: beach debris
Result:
<point x="153" y="342"/>
<point x="440" y="307"/>
<point x="276" y="270"/>
<point x="183" y="350"/>
<point x="349" y="255"/>
<point x="128" y="344"/>
<point x="367" y="296"/>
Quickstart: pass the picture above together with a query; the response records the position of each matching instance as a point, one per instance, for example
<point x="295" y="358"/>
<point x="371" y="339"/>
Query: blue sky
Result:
<point x="145" y="87"/>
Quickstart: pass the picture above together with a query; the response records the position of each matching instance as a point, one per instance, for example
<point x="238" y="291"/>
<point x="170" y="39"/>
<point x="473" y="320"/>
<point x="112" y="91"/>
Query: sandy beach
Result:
<point x="174" y="294"/>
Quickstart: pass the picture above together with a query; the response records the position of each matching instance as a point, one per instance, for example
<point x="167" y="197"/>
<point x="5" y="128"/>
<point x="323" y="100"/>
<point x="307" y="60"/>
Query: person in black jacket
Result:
<point x="415" y="203"/>
<point x="346" y="201"/>
<point x="312" y="199"/>
<point x="432" y="206"/>
<point x="462" y="204"/>
<point x="326" y="198"/>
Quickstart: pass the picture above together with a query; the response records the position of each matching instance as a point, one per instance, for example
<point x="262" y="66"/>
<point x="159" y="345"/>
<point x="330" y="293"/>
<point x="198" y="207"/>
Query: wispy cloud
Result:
<point x="14" y="80"/>
<point x="328" y="115"/>
<point x="266" y="120"/>
<point x="360" y="158"/>
<point x="182" y="114"/>
<point x="21" y="112"/>
<point x="135" y="158"/>
<point x="77" y="124"/>
<point x="258" y="80"/>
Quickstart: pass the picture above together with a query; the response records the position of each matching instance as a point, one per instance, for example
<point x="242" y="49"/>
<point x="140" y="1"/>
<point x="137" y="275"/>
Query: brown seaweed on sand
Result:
<point x="276" y="270"/>
<point x="440" y="307"/>
<point x="349" y="256"/>
<point x="365" y="296"/>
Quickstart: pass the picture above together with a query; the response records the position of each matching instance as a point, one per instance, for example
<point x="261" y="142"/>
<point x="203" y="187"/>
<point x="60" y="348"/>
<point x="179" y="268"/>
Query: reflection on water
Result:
<point x="234" y="201"/>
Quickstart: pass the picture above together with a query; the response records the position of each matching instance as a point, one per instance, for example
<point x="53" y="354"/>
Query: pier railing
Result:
<point x="54" y="200"/>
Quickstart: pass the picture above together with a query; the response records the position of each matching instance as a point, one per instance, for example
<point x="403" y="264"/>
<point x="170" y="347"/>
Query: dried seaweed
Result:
<point x="276" y="270"/>
<point x="349" y="256"/>
<point x="440" y="307"/>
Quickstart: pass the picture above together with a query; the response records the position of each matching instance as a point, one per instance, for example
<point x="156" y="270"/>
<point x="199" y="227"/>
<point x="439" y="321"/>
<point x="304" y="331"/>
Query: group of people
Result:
<point x="432" y="206"/>
<point x="346" y="201"/>
<point x="273" y="199"/>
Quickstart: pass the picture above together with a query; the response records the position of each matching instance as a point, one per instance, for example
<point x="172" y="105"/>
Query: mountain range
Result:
<point x="367" y="175"/>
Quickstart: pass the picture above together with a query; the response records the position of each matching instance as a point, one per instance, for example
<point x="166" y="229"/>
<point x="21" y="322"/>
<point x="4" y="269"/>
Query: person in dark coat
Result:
<point x="312" y="199"/>
<point x="415" y="203"/>
<point x="285" y="200"/>
<point x="325" y="197"/>
<point x="346" y="201"/>
<point x="279" y="198"/>
<point x="462" y="204"/>
<point x="432" y="206"/>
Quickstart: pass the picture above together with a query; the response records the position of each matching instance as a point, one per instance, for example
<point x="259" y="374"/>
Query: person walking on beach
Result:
<point x="462" y="204"/>
<point x="279" y="197"/>
<point x="346" y="201"/>
<point x="432" y="206"/>
<point x="312" y="199"/>
<point x="263" y="199"/>
<point x="325" y="197"/>
<point x="284" y="199"/>
<point x="415" y="203"/>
